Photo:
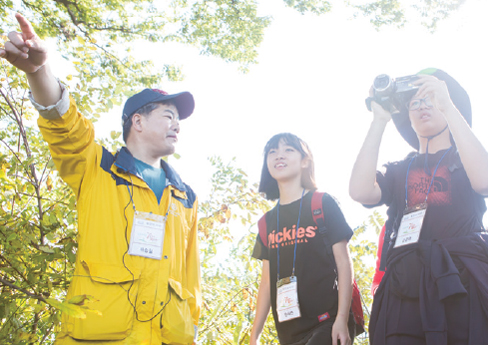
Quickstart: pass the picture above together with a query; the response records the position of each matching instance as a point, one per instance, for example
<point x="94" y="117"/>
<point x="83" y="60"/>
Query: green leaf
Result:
<point x="115" y="135"/>
<point x="46" y="249"/>
<point x="74" y="310"/>
<point x="51" y="236"/>
<point x="71" y="257"/>
<point x="11" y="237"/>
<point x="69" y="309"/>
<point x="82" y="299"/>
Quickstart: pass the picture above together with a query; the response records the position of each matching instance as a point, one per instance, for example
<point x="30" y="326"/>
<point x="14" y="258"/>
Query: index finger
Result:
<point x="422" y="78"/>
<point x="25" y="26"/>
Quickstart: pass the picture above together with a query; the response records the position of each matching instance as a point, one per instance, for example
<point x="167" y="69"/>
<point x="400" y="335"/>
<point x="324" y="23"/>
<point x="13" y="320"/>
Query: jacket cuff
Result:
<point x="55" y="111"/>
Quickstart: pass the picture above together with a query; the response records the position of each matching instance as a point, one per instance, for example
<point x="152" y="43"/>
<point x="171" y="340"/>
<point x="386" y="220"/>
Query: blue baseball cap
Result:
<point x="183" y="101"/>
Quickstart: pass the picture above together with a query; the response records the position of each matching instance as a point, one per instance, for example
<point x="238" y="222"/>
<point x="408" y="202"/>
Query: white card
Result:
<point x="409" y="230"/>
<point x="147" y="237"/>
<point x="287" y="305"/>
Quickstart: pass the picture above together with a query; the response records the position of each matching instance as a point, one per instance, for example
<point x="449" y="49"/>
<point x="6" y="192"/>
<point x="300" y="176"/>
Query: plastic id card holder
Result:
<point x="147" y="237"/>
<point x="409" y="230"/>
<point x="287" y="306"/>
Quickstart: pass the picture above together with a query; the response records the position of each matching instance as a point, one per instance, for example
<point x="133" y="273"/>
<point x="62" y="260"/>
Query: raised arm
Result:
<point x="26" y="51"/>
<point x="362" y="185"/>
<point x="473" y="155"/>
<point x="69" y="135"/>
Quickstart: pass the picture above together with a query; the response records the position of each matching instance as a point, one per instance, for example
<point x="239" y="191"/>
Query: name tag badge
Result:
<point x="410" y="226"/>
<point x="147" y="237"/>
<point x="287" y="305"/>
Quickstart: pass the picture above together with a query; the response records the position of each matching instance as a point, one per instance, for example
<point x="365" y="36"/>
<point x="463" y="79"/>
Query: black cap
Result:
<point x="458" y="95"/>
<point x="183" y="101"/>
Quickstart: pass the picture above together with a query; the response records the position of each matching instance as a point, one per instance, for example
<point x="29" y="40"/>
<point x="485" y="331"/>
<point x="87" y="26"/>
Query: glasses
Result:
<point x="416" y="103"/>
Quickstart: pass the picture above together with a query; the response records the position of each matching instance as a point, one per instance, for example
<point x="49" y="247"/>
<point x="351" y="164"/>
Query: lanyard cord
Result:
<point x="429" y="138"/>
<point x="131" y="192"/>
<point x="431" y="181"/>
<point x="296" y="234"/>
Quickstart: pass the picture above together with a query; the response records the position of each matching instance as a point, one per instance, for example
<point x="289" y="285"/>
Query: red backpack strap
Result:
<point x="318" y="217"/>
<point x="263" y="232"/>
<point x="378" y="274"/>
<point x="319" y="220"/>
<point x="317" y="211"/>
<point x="357" y="308"/>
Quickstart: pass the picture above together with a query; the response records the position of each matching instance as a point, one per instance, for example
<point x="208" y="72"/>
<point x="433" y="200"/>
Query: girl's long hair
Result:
<point x="268" y="185"/>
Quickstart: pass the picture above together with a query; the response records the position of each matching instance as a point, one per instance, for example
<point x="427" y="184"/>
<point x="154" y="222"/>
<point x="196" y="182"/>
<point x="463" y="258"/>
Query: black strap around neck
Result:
<point x="429" y="138"/>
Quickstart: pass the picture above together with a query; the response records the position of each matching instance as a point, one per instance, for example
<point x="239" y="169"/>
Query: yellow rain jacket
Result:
<point x="142" y="301"/>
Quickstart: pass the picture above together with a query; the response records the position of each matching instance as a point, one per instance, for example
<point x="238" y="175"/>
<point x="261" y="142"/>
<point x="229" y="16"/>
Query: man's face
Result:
<point x="160" y="130"/>
<point x="426" y="119"/>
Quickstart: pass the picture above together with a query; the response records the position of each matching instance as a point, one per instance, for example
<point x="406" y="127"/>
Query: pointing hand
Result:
<point x="25" y="50"/>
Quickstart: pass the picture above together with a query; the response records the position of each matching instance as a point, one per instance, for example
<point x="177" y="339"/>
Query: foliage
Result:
<point x="312" y="6"/>
<point x="98" y="37"/>
<point x="433" y="11"/>
<point x="37" y="223"/>
<point x="226" y="28"/>
<point x="398" y="13"/>
<point x="231" y="277"/>
<point x="363" y="253"/>
<point x="386" y="12"/>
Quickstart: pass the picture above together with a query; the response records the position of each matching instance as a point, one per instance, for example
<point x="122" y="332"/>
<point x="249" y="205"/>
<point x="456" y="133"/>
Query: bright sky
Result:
<point x="312" y="78"/>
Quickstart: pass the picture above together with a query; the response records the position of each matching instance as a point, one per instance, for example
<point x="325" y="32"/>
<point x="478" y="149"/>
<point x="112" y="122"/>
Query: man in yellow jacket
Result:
<point x="138" y="250"/>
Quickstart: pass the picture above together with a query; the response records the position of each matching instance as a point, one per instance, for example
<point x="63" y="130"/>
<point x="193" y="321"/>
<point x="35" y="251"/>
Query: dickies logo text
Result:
<point x="287" y="237"/>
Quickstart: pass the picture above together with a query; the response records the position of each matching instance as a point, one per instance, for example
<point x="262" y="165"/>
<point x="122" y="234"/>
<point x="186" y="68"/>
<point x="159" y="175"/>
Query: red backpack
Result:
<point x="318" y="217"/>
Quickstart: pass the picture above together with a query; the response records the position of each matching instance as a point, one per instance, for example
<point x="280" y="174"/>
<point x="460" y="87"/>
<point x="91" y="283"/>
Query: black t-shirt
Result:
<point x="314" y="269"/>
<point x="454" y="208"/>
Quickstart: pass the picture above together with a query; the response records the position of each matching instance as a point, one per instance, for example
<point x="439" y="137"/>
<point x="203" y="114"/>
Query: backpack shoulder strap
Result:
<point x="318" y="212"/>
<point x="318" y="217"/>
<point x="263" y="232"/>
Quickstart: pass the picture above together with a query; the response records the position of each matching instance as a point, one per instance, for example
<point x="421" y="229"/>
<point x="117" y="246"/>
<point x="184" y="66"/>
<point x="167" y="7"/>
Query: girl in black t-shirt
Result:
<point x="434" y="290"/>
<point x="293" y="252"/>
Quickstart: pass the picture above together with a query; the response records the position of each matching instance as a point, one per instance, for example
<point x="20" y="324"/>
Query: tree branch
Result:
<point x="28" y="293"/>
